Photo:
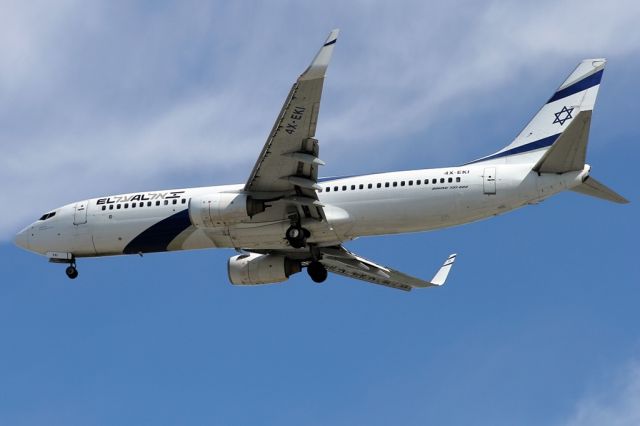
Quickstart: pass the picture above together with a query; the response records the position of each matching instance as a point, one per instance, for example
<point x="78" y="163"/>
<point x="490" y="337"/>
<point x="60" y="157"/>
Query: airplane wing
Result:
<point x="341" y="261"/>
<point x="288" y="163"/>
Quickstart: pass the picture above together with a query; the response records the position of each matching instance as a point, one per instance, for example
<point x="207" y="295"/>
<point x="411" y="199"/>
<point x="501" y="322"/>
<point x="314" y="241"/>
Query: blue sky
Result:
<point x="537" y="325"/>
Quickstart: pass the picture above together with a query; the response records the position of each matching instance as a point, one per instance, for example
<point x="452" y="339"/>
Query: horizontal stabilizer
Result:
<point x="596" y="189"/>
<point x="569" y="152"/>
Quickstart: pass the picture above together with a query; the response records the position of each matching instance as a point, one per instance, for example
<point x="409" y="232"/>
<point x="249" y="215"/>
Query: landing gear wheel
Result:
<point x="72" y="272"/>
<point x="317" y="272"/>
<point x="297" y="236"/>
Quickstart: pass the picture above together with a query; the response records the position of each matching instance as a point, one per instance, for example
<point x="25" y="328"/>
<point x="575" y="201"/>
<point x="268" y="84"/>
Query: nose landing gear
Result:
<point x="65" y="258"/>
<point x="72" y="272"/>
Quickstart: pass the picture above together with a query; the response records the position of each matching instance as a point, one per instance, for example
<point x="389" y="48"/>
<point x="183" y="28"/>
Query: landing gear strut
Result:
<point x="297" y="236"/>
<point x="317" y="271"/>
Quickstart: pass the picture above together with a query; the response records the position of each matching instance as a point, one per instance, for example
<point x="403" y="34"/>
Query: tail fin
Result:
<point x="571" y="103"/>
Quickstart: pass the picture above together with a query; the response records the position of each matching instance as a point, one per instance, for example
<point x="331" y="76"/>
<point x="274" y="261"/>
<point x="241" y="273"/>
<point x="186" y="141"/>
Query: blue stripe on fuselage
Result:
<point x="540" y="143"/>
<point x="157" y="237"/>
<point x="579" y="86"/>
<point x="330" y="178"/>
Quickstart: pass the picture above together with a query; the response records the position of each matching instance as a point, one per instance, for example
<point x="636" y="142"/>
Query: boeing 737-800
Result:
<point x="285" y="218"/>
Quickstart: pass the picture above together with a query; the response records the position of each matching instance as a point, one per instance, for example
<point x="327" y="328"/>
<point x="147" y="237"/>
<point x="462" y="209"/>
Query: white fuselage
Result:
<point x="377" y="204"/>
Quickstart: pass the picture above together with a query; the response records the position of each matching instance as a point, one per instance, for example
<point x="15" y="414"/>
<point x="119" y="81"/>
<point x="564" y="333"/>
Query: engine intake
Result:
<point x="222" y="208"/>
<point x="254" y="269"/>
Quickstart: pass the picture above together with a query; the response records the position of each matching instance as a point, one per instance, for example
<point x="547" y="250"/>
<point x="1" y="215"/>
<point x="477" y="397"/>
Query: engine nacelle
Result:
<point x="222" y="208"/>
<point x="254" y="269"/>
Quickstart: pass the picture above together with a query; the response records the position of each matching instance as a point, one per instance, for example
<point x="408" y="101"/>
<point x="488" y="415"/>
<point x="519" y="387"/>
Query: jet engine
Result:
<point x="222" y="208"/>
<point x="254" y="268"/>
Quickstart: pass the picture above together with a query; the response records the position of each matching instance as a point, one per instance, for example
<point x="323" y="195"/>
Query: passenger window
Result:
<point x="402" y="183"/>
<point x="104" y="207"/>
<point x="441" y="180"/>
<point x="157" y="203"/>
<point x="361" y="186"/>
<point x="118" y="206"/>
<point x="126" y="205"/>
<point x="133" y="205"/>
<point x="148" y="203"/>
<point x="410" y="183"/>
<point x="457" y="179"/>
<point x="335" y="188"/>
<point x="370" y="186"/>
<point x="166" y="202"/>
<point x="328" y="188"/>
<point x="386" y="184"/>
<point x="110" y="206"/>
<point x="418" y="182"/>
<point x="353" y="187"/>
<point x="184" y="200"/>
<point x="175" y="201"/>
<point x="434" y="181"/>
<point x="395" y="184"/>
<point x="450" y="180"/>
<point x="344" y="187"/>
<point x="379" y="185"/>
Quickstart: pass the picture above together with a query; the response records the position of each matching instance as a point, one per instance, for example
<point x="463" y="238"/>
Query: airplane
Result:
<point x="285" y="218"/>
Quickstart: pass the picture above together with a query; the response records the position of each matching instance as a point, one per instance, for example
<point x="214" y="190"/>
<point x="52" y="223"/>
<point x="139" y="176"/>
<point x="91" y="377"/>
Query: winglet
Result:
<point x="441" y="276"/>
<point x="320" y="63"/>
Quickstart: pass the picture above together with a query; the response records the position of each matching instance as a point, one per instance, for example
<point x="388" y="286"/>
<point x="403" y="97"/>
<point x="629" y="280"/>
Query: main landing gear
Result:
<point x="297" y="236"/>
<point x="317" y="271"/>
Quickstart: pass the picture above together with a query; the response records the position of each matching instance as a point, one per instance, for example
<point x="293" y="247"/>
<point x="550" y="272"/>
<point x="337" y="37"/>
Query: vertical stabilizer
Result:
<point x="575" y="97"/>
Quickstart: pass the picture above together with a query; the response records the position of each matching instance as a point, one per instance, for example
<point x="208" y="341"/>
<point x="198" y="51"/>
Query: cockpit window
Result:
<point x="47" y="215"/>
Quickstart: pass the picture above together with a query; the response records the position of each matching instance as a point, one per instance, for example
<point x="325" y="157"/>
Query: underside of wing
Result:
<point x="341" y="261"/>
<point x="288" y="164"/>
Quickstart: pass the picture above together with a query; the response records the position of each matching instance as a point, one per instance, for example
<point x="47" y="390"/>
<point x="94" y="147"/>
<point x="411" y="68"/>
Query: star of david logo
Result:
<point x="559" y="115"/>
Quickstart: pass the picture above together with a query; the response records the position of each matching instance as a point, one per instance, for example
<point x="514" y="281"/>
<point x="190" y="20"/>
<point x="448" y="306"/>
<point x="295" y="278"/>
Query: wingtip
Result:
<point x="319" y="65"/>
<point x="333" y="36"/>
<point x="441" y="276"/>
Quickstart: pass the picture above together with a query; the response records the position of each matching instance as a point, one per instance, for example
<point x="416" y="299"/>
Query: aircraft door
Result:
<point x="80" y="214"/>
<point x="489" y="178"/>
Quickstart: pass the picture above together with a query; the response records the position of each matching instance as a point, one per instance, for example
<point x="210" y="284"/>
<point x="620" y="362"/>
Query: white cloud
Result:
<point x="104" y="98"/>
<point x="615" y="404"/>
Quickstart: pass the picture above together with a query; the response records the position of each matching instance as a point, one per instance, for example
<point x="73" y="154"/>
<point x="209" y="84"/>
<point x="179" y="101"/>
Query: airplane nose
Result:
<point x="22" y="239"/>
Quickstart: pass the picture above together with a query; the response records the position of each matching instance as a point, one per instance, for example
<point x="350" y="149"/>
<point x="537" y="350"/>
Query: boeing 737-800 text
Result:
<point x="285" y="218"/>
